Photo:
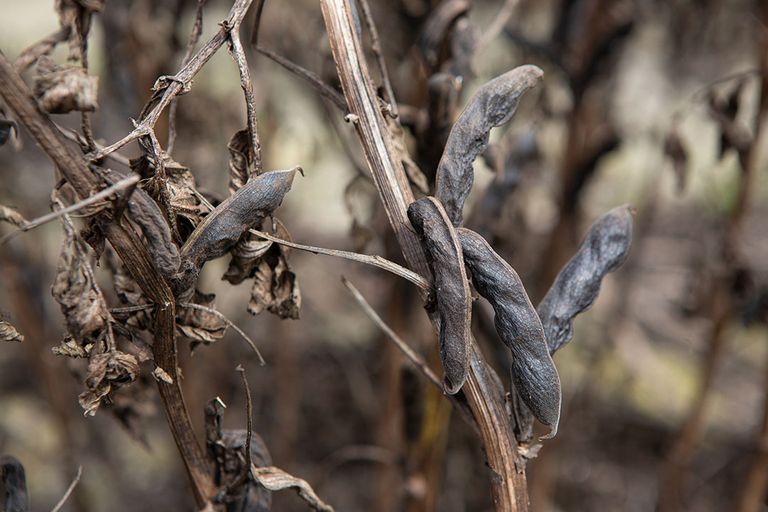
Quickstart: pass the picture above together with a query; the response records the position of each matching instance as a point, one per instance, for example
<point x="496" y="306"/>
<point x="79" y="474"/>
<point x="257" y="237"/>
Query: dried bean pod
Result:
<point x="576" y="287"/>
<point x="533" y="372"/>
<point x="492" y="105"/>
<point x="454" y="302"/>
<point x="222" y="228"/>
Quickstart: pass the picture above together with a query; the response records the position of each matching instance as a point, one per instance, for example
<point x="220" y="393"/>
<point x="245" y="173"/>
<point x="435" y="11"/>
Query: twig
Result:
<point x="229" y="323"/>
<point x="259" y="8"/>
<point x="78" y="138"/>
<point x="71" y="488"/>
<point x="311" y="78"/>
<point x="249" y="418"/>
<point x="30" y="55"/>
<point x="181" y="81"/>
<point x="375" y="260"/>
<point x="83" y="23"/>
<point x="237" y="52"/>
<point x="194" y="37"/>
<point x="32" y="224"/>
<point x="412" y="356"/>
<point x="377" y="51"/>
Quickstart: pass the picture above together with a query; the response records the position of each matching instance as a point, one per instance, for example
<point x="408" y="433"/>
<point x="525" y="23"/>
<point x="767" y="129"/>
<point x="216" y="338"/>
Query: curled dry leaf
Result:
<point x="275" y="479"/>
<point x="9" y="333"/>
<point x="241" y="160"/>
<point x="80" y="300"/>
<point x="11" y="216"/>
<point x="275" y="287"/>
<point x="517" y="324"/>
<point x="63" y="89"/>
<point x="199" y="325"/>
<point x="107" y="372"/>
<point x="576" y="287"/>
<point x="179" y="183"/>
<point x="492" y="105"/>
<point x="224" y="226"/>
<point x="454" y="302"/>
<point x="71" y="348"/>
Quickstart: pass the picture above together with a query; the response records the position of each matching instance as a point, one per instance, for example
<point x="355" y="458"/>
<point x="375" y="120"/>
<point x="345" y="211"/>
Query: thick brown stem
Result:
<point x="483" y="390"/>
<point x="75" y="170"/>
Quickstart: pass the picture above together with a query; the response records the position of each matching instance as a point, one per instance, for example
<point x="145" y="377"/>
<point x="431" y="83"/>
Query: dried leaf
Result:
<point x="454" y="302"/>
<point x="576" y="287"/>
<point x="246" y="256"/>
<point x="199" y="325"/>
<point x="224" y="226"/>
<point x="436" y="28"/>
<point x="9" y="333"/>
<point x="73" y="288"/>
<point x="241" y="160"/>
<point x="518" y="326"/>
<point x="275" y="479"/>
<point x="179" y="184"/>
<point x="492" y="105"/>
<point x="71" y="348"/>
<point x="11" y="216"/>
<point x="275" y="287"/>
<point x="62" y="89"/>
<point x="161" y="375"/>
<point x="107" y="372"/>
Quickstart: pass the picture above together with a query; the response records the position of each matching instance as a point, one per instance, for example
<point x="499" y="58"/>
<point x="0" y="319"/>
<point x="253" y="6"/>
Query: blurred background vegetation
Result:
<point x="665" y="381"/>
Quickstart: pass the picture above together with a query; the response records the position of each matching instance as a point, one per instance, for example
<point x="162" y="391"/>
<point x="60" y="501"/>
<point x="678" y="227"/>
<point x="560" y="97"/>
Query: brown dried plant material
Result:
<point x="13" y="483"/>
<point x="73" y="288"/>
<point x="577" y="285"/>
<point x="107" y="372"/>
<point x="71" y="348"/>
<point x="492" y="105"/>
<point x="275" y="479"/>
<point x="199" y="325"/>
<point x="517" y="324"/>
<point x="436" y="28"/>
<point x="224" y="226"/>
<point x="63" y="89"/>
<point x="241" y="160"/>
<point x="275" y="287"/>
<point x="11" y="216"/>
<point x="9" y="333"/>
<point x="451" y="288"/>
<point x="7" y="128"/>
<point x="179" y="183"/>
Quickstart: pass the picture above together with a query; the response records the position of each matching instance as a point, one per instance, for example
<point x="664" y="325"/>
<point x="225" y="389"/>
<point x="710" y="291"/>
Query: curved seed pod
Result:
<point x="533" y="372"/>
<point x="454" y="302"/>
<point x="222" y="228"/>
<point x="576" y="287"/>
<point x="492" y="105"/>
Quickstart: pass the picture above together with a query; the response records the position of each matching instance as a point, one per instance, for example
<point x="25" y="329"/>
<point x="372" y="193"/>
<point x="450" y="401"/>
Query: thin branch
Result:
<point x="83" y="23"/>
<point x="374" y="260"/>
<point x="249" y="417"/>
<point x="311" y="78"/>
<point x="32" y="224"/>
<point x="194" y="37"/>
<point x="259" y="8"/>
<point x="181" y="82"/>
<point x="78" y="138"/>
<point x="71" y="488"/>
<point x="237" y="52"/>
<point x="229" y="323"/>
<point x="30" y="55"/>
<point x="407" y="351"/>
<point x="377" y="51"/>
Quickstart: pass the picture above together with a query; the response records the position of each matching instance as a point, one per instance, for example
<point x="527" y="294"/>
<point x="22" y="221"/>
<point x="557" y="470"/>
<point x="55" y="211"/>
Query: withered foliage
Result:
<point x="492" y="105"/>
<point x="63" y="89"/>
<point x="451" y="288"/>
<point x="9" y="333"/>
<point x="107" y="372"/>
<point x="575" y="289"/>
<point x="518" y="326"/>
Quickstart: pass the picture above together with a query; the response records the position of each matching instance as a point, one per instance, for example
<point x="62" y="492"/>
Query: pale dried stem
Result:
<point x="69" y="490"/>
<point x="378" y="53"/>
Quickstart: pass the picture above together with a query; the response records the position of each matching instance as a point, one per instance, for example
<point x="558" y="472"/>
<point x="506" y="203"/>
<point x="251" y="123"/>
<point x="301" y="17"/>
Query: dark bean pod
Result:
<point x="222" y="228"/>
<point x="533" y="372"/>
<point x="454" y="302"/>
<point x="492" y="105"/>
<point x="576" y="287"/>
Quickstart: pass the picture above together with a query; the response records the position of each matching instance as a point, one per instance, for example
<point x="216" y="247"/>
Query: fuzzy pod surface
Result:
<point x="454" y="302"/>
<point x="492" y="105"/>
<point x="533" y="372"/>
<point x="575" y="289"/>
